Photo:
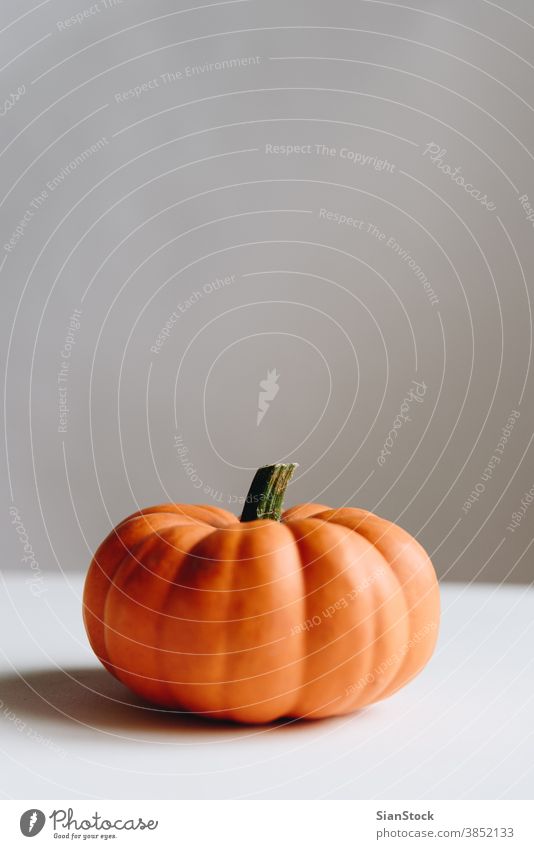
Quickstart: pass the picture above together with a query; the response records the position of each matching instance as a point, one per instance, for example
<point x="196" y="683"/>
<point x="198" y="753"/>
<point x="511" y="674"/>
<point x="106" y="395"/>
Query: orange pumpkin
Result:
<point x="318" y="614"/>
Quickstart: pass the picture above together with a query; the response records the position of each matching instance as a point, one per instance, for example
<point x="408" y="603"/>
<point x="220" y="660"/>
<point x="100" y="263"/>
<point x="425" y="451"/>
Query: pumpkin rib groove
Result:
<point x="92" y="621"/>
<point x="130" y="571"/>
<point x="302" y="541"/>
<point x="363" y="652"/>
<point x="304" y="604"/>
<point x="115" y="536"/>
<point x="386" y="565"/>
<point x="175" y="523"/>
<point x="104" y="576"/>
<point x="301" y="676"/>
<point x="384" y="559"/>
<point x="399" y="590"/>
<point x="327" y="550"/>
<point x="369" y="650"/>
<point x="225" y="684"/>
<point x="385" y="681"/>
<point x="136" y="635"/>
<point x="374" y="607"/>
<point x="354" y="701"/>
<point x="393" y="683"/>
<point x="141" y="545"/>
<point x="108" y="574"/>
<point x="399" y="680"/>
<point x="182" y="552"/>
<point x="275" y="686"/>
<point x="161" y="659"/>
<point x="306" y="658"/>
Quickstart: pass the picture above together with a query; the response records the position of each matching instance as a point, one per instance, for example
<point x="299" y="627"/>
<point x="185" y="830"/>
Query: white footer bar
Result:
<point x="267" y="824"/>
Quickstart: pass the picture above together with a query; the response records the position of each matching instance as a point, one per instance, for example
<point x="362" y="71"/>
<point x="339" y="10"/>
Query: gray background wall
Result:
<point x="180" y="189"/>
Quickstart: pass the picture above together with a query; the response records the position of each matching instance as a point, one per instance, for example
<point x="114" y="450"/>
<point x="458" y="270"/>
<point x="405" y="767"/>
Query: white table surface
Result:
<point x="463" y="729"/>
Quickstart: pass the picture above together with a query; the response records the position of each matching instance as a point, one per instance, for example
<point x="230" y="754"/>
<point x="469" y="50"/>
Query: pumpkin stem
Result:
<point x="266" y="494"/>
